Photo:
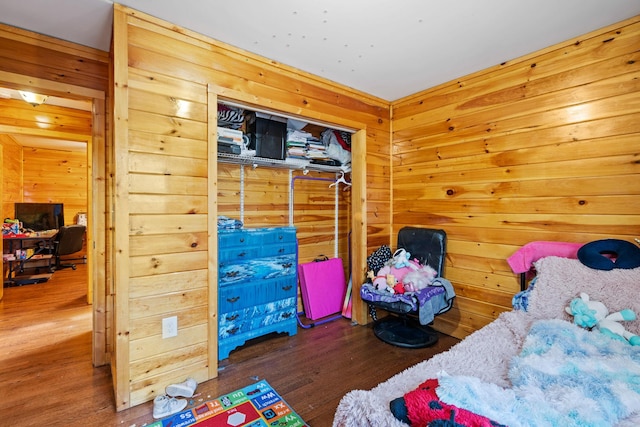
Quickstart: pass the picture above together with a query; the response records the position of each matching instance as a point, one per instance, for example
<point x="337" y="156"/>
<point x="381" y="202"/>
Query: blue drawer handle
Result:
<point x="241" y="254"/>
<point x="232" y="318"/>
<point x="232" y="274"/>
<point x="287" y="315"/>
<point x="287" y="288"/>
<point x="233" y="331"/>
<point x="287" y="265"/>
<point x="234" y="299"/>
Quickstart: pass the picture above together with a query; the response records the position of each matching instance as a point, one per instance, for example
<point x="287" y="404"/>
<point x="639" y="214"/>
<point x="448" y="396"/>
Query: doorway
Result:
<point x="94" y="159"/>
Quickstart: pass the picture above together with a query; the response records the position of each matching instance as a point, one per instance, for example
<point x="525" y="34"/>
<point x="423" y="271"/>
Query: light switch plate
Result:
<point x="170" y="327"/>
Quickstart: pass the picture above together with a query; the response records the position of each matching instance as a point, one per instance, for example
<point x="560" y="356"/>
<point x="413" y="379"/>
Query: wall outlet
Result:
<point x="170" y="327"/>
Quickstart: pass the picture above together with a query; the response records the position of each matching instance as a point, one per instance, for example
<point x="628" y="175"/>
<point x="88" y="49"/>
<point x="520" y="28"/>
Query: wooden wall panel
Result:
<point x="53" y="176"/>
<point x="44" y="176"/>
<point x="166" y="226"/>
<point x="30" y="54"/>
<point x="161" y="157"/>
<point x="543" y="147"/>
<point x="11" y="175"/>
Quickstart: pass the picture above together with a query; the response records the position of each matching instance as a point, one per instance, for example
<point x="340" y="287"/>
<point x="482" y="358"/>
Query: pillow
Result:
<point x="608" y="254"/>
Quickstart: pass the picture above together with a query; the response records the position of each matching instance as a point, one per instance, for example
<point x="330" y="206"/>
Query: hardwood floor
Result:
<point x="46" y="376"/>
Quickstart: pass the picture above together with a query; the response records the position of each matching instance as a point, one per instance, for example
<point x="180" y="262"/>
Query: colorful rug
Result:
<point x="257" y="405"/>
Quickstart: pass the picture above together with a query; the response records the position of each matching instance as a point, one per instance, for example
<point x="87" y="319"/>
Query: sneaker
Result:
<point x="184" y="389"/>
<point x="163" y="406"/>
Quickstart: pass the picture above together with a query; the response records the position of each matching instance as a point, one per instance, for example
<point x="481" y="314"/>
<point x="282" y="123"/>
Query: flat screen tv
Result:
<point x="40" y="216"/>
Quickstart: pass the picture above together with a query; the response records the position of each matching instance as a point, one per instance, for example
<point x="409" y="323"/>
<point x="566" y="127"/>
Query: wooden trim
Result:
<point x="96" y="232"/>
<point x="44" y="132"/>
<point x="120" y="256"/>
<point x="212" y="224"/>
<point x="359" y="222"/>
<point x="49" y="87"/>
<point x="251" y="101"/>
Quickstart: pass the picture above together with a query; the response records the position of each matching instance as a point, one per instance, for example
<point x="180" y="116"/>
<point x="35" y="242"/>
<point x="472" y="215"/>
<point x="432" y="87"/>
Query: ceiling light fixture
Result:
<point x="34" y="99"/>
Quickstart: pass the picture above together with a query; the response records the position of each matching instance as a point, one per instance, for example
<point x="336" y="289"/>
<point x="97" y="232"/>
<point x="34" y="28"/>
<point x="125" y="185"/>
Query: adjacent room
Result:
<point x="319" y="214"/>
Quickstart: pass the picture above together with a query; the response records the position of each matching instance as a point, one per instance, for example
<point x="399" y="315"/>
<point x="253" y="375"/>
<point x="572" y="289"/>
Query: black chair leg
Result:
<point x="59" y="265"/>
<point x="403" y="331"/>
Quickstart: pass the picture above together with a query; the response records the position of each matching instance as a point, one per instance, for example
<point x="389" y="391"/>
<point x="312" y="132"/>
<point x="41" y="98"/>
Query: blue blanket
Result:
<point x="564" y="376"/>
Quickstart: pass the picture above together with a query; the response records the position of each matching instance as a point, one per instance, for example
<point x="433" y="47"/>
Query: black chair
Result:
<point x="401" y="327"/>
<point x="69" y="240"/>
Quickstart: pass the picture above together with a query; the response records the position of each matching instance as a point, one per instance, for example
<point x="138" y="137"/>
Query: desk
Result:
<point x="42" y="246"/>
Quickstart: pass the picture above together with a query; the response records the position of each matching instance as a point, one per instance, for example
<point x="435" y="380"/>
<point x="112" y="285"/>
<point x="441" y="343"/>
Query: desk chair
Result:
<point x="400" y="327"/>
<point x="69" y="240"/>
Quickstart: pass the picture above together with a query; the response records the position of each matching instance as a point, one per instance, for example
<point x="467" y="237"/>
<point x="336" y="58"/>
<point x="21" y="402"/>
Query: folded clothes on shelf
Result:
<point x="228" y="223"/>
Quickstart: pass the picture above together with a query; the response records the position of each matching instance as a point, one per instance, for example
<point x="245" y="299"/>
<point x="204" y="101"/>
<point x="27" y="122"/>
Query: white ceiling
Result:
<point x="387" y="48"/>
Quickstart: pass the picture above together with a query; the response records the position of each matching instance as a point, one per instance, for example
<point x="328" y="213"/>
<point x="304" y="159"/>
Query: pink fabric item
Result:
<point x="522" y="260"/>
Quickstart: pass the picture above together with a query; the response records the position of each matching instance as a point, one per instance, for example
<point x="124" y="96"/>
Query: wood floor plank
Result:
<point x="46" y="376"/>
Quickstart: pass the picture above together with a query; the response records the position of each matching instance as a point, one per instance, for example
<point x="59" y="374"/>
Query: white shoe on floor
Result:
<point x="163" y="406"/>
<point x="184" y="389"/>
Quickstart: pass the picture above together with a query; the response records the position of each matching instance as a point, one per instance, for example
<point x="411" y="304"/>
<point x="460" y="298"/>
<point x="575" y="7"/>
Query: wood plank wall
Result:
<point x="44" y="176"/>
<point x="161" y="182"/>
<point x="544" y="147"/>
<point x="52" y="60"/>
<point x="56" y="176"/>
<point x="12" y="175"/>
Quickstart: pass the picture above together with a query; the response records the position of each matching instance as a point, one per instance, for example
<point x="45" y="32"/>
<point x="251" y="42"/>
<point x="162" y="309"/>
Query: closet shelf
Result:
<point x="275" y="163"/>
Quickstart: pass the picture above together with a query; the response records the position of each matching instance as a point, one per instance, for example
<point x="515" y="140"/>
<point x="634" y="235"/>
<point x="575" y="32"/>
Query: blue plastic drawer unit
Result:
<point x="257" y="285"/>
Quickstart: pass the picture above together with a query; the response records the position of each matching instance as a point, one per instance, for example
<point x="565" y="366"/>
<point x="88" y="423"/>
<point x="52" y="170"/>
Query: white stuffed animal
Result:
<point x="589" y="314"/>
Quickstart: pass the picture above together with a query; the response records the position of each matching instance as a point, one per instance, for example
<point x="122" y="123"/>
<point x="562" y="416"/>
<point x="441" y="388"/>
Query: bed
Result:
<point x="480" y="364"/>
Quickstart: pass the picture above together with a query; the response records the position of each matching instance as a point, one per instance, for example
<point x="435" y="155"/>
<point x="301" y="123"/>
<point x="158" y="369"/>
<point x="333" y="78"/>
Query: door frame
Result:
<point x="97" y="271"/>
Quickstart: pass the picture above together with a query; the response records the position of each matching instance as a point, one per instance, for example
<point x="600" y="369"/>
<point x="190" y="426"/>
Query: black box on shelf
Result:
<point x="228" y="147"/>
<point x="267" y="135"/>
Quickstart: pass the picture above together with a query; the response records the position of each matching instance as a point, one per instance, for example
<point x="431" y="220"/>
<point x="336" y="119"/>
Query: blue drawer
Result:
<point x="255" y="236"/>
<point x="250" y="318"/>
<point x="251" y="252"/>
<point x="257" y="269"/>
<point x="232" y="298"/>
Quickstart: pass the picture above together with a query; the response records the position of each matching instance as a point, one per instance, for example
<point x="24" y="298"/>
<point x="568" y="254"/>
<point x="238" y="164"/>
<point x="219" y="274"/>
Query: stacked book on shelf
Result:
<point x="303" y="145"/>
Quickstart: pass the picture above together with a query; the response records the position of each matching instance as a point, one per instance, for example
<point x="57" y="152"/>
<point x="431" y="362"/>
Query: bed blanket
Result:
<point x="485" y="354"/>
<point x="564" y="376"/>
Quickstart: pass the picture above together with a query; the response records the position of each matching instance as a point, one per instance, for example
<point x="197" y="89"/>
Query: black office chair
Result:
<point x="69" y="240"/>
<point x="401" y="327"/>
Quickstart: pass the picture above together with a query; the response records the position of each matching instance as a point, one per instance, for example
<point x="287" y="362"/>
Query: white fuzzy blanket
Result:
<point x="564" y="376"/>
<point x="486" y="353"/>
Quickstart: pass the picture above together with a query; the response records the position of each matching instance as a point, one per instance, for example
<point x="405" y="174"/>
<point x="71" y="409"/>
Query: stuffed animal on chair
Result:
<point x="589" y="314"/>
<point x="419" y="279"/>
<point x="381" y="281"/>
<point x="401" y="258"/>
